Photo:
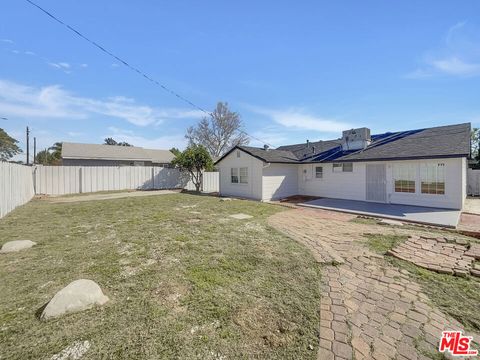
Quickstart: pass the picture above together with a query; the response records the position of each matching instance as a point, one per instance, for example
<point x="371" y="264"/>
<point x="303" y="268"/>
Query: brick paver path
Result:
<point x="445" y="255"/>
<point x="369" y="309"/>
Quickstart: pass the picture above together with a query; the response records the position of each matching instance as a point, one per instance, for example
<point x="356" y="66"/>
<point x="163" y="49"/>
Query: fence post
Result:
<point x="80" y="180"/>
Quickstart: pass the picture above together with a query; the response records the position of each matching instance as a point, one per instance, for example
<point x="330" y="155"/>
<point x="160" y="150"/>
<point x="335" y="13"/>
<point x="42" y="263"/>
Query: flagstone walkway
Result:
<point x="369" y="309"/>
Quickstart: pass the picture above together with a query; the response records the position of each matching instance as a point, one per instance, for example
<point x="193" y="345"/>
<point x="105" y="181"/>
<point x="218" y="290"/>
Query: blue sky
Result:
<point x="293" y="70"/>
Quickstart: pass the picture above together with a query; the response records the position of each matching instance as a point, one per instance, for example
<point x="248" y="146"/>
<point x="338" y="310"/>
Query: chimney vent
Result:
<point x="308" y="143"/>
<point x="265" y="147"/>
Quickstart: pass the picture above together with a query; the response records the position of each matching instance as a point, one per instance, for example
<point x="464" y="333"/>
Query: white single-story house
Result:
<point x="424" y="167"/>
<point x="77" y="154"/>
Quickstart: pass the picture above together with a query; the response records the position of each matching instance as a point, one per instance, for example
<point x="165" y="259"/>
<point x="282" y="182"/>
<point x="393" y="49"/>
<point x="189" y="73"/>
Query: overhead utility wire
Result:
<point x="131" y="67"/>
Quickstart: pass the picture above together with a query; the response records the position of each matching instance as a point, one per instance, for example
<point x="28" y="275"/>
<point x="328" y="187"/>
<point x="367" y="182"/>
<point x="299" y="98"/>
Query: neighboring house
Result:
<point x="76" y="154"/>
<point x="425" y="167"/>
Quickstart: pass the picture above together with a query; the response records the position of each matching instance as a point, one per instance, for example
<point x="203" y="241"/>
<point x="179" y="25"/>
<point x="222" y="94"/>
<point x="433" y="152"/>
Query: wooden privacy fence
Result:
<point x="19" y="183"/>
<point x="60" y="180"/>
<point x="210" y="183"/>
<point x="473" y="182"/>
<point x="16" y="186"/>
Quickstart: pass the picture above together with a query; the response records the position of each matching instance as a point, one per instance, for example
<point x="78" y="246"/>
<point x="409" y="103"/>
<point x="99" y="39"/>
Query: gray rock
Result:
<point x="16" y="245"/>
<point x="73" y="352"/>
<point x="77" y="296"/>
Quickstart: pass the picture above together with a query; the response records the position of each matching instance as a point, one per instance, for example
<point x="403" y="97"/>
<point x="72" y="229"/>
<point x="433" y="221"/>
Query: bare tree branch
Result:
<point x="220" y="132"/>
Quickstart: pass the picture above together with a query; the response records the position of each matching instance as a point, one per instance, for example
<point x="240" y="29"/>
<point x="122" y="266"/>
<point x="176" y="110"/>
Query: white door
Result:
<point x="376" y="182"/>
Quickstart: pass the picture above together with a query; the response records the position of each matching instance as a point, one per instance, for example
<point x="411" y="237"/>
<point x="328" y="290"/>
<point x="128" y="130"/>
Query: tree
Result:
<point x="475" y="136"/>
<point x="175" y="151"/>
<point x="195" y="159"/>
<point x="8" y="146"/>
<point x="218" y="133"/>
<point x="56" y="152"/>
<point x="111" y="141"/>
<point x="44" y="157"/>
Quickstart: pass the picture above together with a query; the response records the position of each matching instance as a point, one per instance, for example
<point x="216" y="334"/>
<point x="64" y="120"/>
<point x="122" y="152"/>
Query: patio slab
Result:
<point x="418" y="214"/>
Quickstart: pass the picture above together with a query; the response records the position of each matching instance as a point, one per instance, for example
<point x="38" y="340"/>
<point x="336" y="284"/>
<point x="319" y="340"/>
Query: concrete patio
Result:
<point x="418" y="214"/>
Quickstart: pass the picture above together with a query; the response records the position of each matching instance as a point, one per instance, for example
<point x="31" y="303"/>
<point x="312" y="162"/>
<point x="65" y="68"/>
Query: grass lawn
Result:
<point x="185" y="281"/>
<point x="456" y="296"/>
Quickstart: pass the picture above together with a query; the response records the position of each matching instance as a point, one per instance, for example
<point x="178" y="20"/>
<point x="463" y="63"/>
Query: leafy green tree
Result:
<point x="8" y="146"/>
<point x="475" y="136"/>
<point x="175" y="151"/>
<point x="194" y="160"/>
<point x="44" y="157"/>
<point x="112" y="141"/>
<point x="56" y="152"/>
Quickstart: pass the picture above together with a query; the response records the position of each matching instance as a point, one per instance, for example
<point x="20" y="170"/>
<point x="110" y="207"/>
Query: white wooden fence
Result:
<point x="19" y="183"/>
<point x="16" y="186"/>
<point x="60" y="180"/>
<point x="473" y="182"/>
<point x="210" y="183"/>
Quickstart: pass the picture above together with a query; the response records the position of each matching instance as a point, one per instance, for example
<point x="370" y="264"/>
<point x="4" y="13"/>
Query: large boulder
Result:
<point x="77" y="296"/>
<point x="16" y="245"/>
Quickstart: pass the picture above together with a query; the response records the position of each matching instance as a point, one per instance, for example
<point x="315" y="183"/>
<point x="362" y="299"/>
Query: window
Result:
<point x="243" y="175"/>
<point x="319" y="172"/>
<point x="343" y="167"/>
<point x="347" y="167"/>
<point x="238" y="153"/>
<point x="239" y="175"/>
<point x="433" y="178"/>
<point x="404" y="178"/>
<point x="234" y="175"/>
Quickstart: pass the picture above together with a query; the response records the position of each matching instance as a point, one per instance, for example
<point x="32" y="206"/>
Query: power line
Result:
<point x="131" y="67"/>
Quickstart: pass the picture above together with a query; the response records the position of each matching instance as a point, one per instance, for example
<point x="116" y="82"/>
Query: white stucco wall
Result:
<point x="279" y="181"/>
<point x="344" y="185"/>
<point x="353" y="185"/>
<point x="455" y="186"/>
<point x="253" y="189"/>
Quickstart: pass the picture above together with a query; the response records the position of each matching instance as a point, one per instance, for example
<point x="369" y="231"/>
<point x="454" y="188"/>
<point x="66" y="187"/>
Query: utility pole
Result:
<point x="28" y="146"/>
<point x="34" y="150"/>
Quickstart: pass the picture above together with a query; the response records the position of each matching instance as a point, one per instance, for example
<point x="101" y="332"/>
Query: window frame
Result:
<point x="245" y="175"/>
<point x="236" y="172"/>
<point x="232" y="175"/>
<point x="411" y="176"/>
<point x="318" y="172"/>
<point x="341" y="165"/>
<point x="436" y="187"/>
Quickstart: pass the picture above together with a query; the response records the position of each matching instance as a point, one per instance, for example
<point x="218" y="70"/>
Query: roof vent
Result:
<point x="265" y="147"/>
<point x="356" y="139"/>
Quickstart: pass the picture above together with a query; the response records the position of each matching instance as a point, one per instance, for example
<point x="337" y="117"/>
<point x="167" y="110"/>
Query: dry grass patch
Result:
<point x="214" y="288"/>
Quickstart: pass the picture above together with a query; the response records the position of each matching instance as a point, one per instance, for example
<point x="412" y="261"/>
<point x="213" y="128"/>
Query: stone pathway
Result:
<point x="369" y="309"/>
<point x="445" y="255"/>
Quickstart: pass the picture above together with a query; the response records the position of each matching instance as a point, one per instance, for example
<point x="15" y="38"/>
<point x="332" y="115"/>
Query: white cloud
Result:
<point x="456" y="66"/>
<point x="61" y="66"/>
<point x="162" y="142"/>
<point x="83" y="65"/>
<point x="299" y="119"/>
<point x="8" y="41"/>
<point x="54" y="102"/>
<point x="459" y="55"/>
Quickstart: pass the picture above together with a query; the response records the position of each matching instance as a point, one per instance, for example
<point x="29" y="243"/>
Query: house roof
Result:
<point x="112" y="152"/>
<point x="436" y="142"/>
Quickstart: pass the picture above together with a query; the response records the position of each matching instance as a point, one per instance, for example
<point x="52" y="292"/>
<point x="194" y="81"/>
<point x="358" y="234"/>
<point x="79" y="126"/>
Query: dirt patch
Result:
<point x="105" y="196"/>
